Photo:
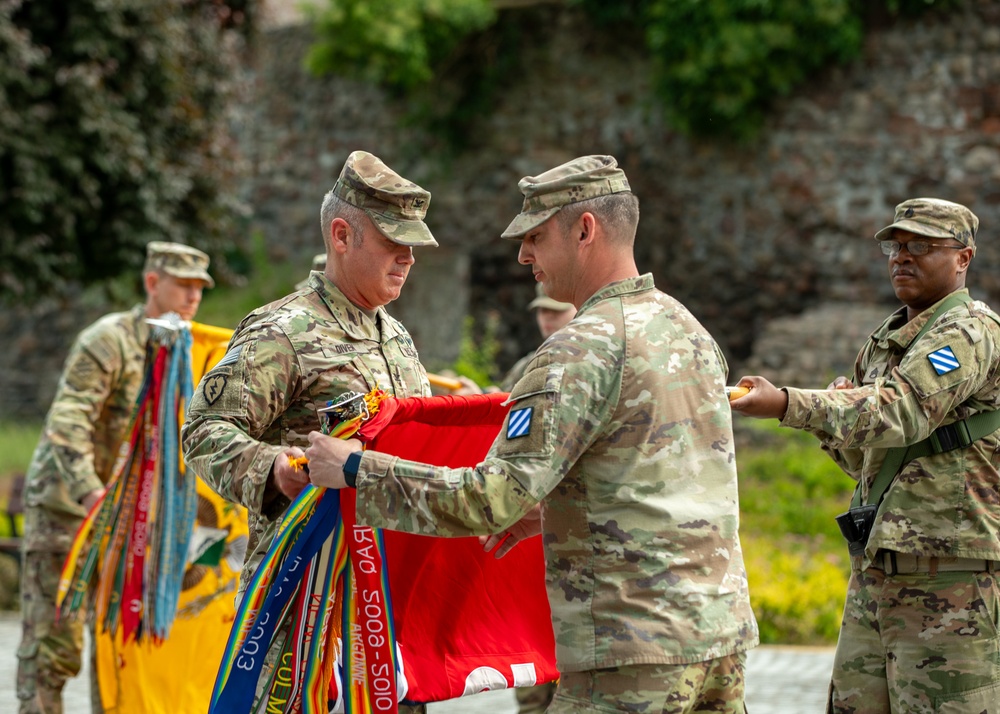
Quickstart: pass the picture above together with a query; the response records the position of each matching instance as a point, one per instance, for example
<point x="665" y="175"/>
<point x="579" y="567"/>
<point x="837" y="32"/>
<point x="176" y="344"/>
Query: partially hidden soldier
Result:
<point x="318" y="265"/>
<point x="916" y="427"/>
<point x="255" y="408"/>
<point x="618" y="449"/>
<point x="551" y="315"/>
<point x="85" y="425"/>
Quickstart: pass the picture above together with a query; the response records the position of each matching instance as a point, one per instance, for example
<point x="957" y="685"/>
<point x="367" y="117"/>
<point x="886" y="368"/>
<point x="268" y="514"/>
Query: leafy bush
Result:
<point x="796" y="559"/>
<point x="477" y="355"/>
<point x="392" y="42"/>
<point x="112" y="133"/>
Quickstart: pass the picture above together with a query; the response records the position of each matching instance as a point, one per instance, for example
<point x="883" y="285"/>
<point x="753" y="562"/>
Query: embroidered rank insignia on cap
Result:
<point x="519" y="423"/>
<point x="943" y="360"/>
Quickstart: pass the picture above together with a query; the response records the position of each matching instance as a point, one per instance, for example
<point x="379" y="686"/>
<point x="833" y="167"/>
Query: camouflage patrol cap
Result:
<point x="572" y="182"/>
<point x="396" y="206"/>
<point x="543" y="300"/>
<point x="935" y="218"/>
<point x="178" y="260"/>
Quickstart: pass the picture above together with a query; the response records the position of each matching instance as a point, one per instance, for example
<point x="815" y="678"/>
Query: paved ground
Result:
<point x="780" y="680"/>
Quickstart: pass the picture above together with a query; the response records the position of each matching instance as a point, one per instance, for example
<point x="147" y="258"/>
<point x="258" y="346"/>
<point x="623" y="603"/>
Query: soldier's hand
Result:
<point x="468" y="387"/>
<point x="289" y="479"/>
<point x="91" y="498"/>
<point x="841" y="383"/>
<point x="764" y="400"/>
<point x="530" y="525"/>
<point x="326" y="459"/>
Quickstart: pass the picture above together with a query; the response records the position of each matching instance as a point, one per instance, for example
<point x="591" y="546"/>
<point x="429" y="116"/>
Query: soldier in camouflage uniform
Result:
<point x="620" y="432"/>
<point x="255" y="408"/>
<point x="920" y="628"/>
<point x="84" y="427"/>
<point x="551" y="315"/>
<point x="318" y="265"/>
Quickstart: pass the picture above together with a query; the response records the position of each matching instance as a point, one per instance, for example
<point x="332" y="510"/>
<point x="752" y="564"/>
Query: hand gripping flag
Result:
<point x="427" y="619"/>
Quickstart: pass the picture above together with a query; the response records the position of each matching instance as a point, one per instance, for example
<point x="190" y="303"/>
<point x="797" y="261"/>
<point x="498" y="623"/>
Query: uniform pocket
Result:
<point x="983" y="699"/>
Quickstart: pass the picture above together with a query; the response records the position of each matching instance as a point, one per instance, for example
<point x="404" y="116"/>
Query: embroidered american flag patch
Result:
<point x="519" y="423"/>
<point x="943" y="360"/>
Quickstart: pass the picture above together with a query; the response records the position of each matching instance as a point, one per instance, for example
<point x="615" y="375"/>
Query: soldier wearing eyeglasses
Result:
<point x="920" y="628"/>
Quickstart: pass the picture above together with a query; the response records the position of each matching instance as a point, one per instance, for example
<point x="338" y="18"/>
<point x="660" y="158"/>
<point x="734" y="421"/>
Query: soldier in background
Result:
<point x="294" y="355"/>
<point x="919" y="632"/>
<point x="620" y="432"/>
<point x="318" y="266"/>
<point x="551" y="315"/>
<point x="86" y="423"/>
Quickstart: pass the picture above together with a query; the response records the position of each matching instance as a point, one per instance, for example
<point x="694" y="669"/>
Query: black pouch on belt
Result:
<point x="856" y="525"/>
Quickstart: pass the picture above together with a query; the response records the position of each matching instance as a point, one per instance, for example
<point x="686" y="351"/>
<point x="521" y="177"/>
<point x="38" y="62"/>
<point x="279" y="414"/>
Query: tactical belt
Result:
<point x="894" y="563"/>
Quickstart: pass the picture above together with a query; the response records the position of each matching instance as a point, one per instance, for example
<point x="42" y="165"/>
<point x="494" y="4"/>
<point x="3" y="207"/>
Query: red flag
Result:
<point x="464" y="620"/>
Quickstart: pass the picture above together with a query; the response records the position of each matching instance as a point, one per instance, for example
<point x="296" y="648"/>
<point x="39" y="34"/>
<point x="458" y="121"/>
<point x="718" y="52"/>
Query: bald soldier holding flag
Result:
<point x="618" y="449"/>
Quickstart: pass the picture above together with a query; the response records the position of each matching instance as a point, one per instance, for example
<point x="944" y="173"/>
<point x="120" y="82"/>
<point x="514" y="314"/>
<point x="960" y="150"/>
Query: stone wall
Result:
<point x="744" y="235"/>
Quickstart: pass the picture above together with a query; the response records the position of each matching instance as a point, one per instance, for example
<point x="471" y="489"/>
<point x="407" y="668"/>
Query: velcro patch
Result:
<point x="519" y="423"/>
<point x="943" y="360"/>
<point x="213" y="387"/>
<point x="230" y="357"/>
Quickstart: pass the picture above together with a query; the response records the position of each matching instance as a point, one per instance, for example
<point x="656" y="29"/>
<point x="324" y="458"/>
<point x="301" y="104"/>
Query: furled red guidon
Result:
<point x="428" y="619"/>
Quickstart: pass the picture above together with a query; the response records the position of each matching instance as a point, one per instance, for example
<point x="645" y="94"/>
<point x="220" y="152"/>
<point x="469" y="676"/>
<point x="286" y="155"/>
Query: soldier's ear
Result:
<point x="341" y="234"/>
<point x="150" y="280"/>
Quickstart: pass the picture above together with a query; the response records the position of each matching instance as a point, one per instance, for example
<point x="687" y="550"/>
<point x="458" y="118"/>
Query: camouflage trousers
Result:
<point x="918" y="643"/>
<point x="51" y="651"/>
<point x="534" y="700"/>
<point x="716" y="685"/>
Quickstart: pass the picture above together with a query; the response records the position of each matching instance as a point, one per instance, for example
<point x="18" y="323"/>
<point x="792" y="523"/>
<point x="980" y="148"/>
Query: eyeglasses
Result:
<point x="913" y="247"/>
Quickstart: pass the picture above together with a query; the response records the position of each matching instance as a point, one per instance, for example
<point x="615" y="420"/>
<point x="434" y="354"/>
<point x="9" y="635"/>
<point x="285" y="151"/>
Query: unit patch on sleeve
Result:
<point x="943" y="360"/>
<point x="519" y="423"/>
<point x="214" y="385"/>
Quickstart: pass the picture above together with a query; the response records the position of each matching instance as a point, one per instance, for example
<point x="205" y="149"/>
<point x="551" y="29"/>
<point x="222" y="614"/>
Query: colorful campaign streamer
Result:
<point x="290" y="605"/>
<point x="128" y="557"/>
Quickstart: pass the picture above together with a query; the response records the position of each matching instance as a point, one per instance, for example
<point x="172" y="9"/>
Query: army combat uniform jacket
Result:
<point x="621" y="429"/>
<point x="86" y="423"/>
<point x="944" y="505"/>
<point x="285" y="361"/>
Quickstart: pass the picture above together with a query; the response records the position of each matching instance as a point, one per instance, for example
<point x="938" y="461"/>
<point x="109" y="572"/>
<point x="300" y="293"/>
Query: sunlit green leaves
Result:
<point x="393" y="42"/>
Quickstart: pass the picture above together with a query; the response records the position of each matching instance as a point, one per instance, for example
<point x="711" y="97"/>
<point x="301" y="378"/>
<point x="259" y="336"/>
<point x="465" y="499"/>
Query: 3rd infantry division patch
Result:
<point x="943" y="360"/>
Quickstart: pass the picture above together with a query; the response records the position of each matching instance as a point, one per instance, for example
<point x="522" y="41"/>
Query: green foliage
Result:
<point x="796" y="559"/>
<point x="477" y="355"/>
<point x="797" y="592"/>
<point x="17" y="444"/>
<point x="112" y="133"/>
<point x="392" y="42"/>
<point x="720" y="63"/>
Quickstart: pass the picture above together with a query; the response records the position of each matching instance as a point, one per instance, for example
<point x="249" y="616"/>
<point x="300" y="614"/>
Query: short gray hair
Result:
<point x="336" y="207"/>
<point x="619" y="212"/>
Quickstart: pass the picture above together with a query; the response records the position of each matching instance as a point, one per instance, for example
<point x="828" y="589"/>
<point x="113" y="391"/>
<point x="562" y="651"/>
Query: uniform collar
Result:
<point x="638" y="284"/>
<point x="354" y="321"/>
<point x="897" y="332"/>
